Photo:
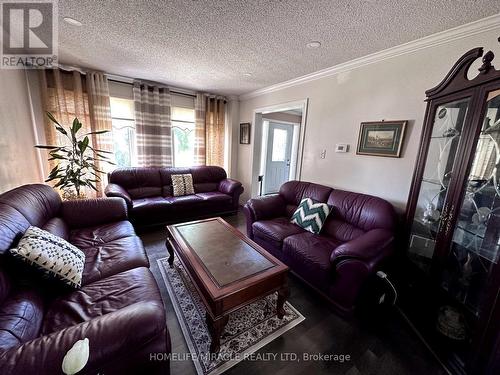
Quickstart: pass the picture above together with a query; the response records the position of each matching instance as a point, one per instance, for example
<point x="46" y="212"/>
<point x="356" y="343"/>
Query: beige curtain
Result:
<point x="100" y="119"/>
<point x="214" y="130"/>
<point x="153" y="125"/>
<point x="70" y="94"/>
<point x="199" y="130"/>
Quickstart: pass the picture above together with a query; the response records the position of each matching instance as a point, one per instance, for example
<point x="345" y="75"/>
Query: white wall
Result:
<point x="19" y="163"/>
<point x="393" y="89"/>
<point x="282" y="116"/>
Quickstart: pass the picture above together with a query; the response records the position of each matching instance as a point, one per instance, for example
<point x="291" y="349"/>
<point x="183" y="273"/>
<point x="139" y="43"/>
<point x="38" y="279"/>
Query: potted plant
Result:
<point x="76" y="162"/>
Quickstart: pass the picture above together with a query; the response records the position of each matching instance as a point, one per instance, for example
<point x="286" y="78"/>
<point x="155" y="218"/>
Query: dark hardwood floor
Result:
<point x="376" y="343"/>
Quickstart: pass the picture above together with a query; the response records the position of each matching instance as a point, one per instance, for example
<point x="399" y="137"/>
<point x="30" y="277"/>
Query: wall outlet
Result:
<point x="322" y="155"/>
<point x="341" y="147"/>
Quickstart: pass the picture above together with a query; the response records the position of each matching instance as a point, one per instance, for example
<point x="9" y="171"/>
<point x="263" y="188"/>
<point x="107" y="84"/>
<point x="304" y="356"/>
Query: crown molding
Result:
<point x="469" y="29"/>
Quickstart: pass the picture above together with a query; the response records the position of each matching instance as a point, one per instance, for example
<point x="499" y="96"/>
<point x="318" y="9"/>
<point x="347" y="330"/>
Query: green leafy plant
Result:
<point x="76" y="162"/>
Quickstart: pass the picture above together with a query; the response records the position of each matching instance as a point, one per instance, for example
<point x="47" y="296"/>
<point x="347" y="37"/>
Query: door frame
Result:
<point x="257" y="137"/>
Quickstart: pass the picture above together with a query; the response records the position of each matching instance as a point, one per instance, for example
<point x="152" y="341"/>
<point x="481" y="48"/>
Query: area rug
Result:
<point x="247" y="330"/>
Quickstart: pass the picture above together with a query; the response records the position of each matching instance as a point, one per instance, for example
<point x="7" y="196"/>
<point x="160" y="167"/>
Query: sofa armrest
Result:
<point x="112" y="337"/>
<point x="369" y="246"/>
<point x="266" y="207"/>
<point x="90" y="212"/>
<point x="114" y="190"/>
<point x="229" y="186"/>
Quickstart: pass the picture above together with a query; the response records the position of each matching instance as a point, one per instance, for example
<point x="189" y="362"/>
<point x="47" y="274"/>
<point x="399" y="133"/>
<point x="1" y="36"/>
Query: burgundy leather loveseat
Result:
<point x="118" y="307"/>
<point x="149" y="197"/>
<point x="356" y="237"/>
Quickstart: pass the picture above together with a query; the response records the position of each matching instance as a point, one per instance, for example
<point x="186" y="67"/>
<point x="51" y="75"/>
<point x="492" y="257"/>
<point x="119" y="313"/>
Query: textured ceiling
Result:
<point x="210" y="45"/>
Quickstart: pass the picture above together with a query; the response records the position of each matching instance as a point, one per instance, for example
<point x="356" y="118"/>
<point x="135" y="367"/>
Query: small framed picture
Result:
<point x="245" y="133"/>
<point x="384" y="138"/>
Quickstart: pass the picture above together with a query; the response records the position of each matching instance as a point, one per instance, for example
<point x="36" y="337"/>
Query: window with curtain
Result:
<point x="183" y="125"/>
<point x="124" y="132"/>
<point x="124" y="137"/>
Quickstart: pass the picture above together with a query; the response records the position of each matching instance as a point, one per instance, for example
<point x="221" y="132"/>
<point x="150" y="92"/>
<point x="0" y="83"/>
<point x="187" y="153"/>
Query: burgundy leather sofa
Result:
<point x="118" y="307"/>
<point x="149" y="197"/>
<point x="357" y="236"/>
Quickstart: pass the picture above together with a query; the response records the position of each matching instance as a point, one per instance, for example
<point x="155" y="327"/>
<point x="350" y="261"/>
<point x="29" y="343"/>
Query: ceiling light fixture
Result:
<point x="72" y="21"/>
<point x="247" y="74"/>
<point x="314" y="44"/>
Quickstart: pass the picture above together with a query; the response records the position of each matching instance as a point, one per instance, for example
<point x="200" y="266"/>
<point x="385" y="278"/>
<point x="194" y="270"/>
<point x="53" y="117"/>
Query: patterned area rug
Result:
<point x="247" y="330"/>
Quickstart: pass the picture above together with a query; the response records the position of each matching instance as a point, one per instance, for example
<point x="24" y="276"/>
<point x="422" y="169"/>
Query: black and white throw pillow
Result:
<point x="182" y="184"/>
<point x="310" y="215"/>
<point x="55" y="257"/>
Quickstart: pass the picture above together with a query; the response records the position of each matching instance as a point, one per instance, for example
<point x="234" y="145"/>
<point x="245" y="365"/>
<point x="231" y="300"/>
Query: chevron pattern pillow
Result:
<point x="55" y="257"/>
<point x="310" y="215"/>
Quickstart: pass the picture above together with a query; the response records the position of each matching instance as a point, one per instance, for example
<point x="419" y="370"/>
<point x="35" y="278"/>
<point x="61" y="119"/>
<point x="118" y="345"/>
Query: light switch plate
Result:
<point x="341" y="147"/>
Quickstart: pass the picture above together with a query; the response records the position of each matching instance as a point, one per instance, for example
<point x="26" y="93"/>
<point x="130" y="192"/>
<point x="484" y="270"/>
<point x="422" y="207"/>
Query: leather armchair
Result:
<point x="357" y="237"/>
<point x="91" y="212"/>
<point x="118" y="307"/>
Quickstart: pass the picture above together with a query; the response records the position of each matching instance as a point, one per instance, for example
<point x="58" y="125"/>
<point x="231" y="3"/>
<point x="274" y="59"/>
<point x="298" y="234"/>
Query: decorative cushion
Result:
<point x="52" y="255"/>
<point x="182" y="184"/>
<point x="310" y="215"/>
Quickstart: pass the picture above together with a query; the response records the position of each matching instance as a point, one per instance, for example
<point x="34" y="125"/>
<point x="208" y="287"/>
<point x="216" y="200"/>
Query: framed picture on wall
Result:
<point x="245" y="133"/>
<point x="384" y="138"/>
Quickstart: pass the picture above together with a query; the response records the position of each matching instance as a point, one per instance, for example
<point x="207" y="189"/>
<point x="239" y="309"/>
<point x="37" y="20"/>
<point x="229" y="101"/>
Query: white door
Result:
<point x="279" y="152"/>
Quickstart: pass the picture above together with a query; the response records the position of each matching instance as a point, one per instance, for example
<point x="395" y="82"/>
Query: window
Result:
<point x="279" y="145"/>
<point x="122" y="115"/>
<point x="183" y="123"/>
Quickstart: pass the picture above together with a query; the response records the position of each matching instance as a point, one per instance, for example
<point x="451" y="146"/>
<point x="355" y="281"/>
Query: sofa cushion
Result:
<point x="99" y="298"/>
<point x="209" y="173"/>
<point x="310" y="215"/>
<point x="138" y="182"/>
<point x="361" y="210"/>
<point x="21" y="317"/>
<point x="341" y="230"/>
<point x="113" y="257"/>
<point x="275" y="230"/>
<point x="294" y="191"/>
<point x="53" y="256"/>
<point x="184" y="200"/>
<point x="37" y="203"/>
<point x="207" y="178"/>
<point x="94" y="236"/>
<point x="206" y="187"/>
<point x="57" y="227"/>
<point x="182" y="184"/>
<point x="214" y="196"/>
<point x="12" y="227"/>
<point x="166" y="179"/>
<point x="308" y="254"/>
<point x="155" y="206"/>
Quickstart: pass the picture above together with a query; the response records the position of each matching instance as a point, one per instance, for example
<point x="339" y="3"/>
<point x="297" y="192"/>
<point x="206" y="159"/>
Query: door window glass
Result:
<point x="279" y="145"/>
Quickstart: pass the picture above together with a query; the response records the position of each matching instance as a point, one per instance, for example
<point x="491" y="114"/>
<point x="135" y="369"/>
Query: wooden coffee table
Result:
<point x="228" y="269"/>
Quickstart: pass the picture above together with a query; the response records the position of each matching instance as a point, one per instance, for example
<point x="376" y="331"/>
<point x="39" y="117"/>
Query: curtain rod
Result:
<point x="172" y="90"/>
<point x="130" y="81"/>
<point x="127" y="80"/>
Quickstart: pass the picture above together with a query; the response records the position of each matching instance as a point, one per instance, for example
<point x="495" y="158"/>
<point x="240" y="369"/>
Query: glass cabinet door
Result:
<point x="476" y="237"/>
<point x="446" y="134"/>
